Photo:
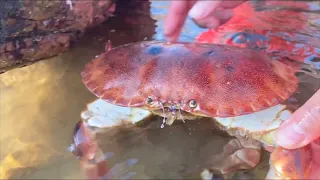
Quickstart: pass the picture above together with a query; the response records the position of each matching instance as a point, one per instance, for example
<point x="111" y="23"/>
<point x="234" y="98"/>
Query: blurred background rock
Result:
<point x="31" y="30"/>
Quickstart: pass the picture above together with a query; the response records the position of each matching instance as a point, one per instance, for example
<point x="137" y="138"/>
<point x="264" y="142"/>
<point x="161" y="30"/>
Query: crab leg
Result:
<point x="237" y="154"/>
<point x="108" y="46"/>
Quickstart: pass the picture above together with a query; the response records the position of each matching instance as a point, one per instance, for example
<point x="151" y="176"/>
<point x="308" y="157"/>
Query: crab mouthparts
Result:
<point x="170" y="114"/>
<point x="173" y="109"/>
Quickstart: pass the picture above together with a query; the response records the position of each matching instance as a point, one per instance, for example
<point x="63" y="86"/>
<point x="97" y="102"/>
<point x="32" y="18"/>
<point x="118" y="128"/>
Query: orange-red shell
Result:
<point x="224" y="80"/>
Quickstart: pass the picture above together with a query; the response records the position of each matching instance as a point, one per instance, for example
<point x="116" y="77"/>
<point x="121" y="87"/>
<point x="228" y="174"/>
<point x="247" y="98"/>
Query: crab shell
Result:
<point x="238" y="87"/>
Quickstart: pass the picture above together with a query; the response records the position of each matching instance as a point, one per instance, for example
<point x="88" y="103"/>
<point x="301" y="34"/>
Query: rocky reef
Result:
<point x="31" y="30"/>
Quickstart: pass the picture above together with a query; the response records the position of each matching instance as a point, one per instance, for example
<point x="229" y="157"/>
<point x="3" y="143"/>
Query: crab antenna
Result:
<point x="164" y="115"/>
<point x="182" y="118"/>
<point x="108" y="46"/>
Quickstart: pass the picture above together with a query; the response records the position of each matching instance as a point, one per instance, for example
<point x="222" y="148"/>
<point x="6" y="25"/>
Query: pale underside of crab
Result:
<point x="238" y="154"/>
<point x="243" y="90"/>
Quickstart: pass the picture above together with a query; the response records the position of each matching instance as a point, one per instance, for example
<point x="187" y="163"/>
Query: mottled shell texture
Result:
<point x="222" y="80"/>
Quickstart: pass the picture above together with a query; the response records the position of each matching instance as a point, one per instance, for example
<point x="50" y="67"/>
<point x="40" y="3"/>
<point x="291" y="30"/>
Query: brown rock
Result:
<point x="32" y="30"/>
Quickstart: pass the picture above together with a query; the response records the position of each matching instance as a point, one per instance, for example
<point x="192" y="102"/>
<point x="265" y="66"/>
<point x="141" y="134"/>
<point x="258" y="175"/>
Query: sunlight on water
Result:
<point x="41" y="103"/>
<point x="33" y="102"/>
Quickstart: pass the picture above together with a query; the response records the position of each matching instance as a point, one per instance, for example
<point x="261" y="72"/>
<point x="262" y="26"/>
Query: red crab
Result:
<point x="242" y="89"/>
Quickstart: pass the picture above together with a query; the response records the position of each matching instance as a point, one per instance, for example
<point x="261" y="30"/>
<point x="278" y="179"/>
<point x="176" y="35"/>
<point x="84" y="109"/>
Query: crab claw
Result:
<point x="85" y="147"/>
<point x="84" y="144"/>
<point x="302" y="163"/>
<point x="93" y="161"/>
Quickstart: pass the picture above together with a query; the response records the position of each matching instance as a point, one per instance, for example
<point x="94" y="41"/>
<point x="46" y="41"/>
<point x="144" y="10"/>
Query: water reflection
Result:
<point x="41" y="103"/>
<point x="280" y="28"/>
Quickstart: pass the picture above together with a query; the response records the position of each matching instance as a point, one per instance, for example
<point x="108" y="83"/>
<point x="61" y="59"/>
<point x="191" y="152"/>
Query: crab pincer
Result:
<point x="93" y="161"/>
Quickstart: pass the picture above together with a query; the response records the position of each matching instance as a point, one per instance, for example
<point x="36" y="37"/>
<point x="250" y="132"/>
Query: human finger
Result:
<point x="174" y="20"/>
<point x="232" y="3"/>
<point x="303" y="126"/>
<point x="216" y="19"/>
<point x="203" y="9"/>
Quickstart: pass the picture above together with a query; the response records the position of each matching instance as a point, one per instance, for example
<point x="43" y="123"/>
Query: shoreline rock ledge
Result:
<point x="32" y="30"/>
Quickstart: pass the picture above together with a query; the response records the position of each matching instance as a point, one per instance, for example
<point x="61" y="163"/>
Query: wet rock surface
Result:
<point x="31" y="30"/>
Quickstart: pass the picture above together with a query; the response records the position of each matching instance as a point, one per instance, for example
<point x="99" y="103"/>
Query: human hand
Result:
<point x="303" y="128"/>
<point x="206" y="14"/>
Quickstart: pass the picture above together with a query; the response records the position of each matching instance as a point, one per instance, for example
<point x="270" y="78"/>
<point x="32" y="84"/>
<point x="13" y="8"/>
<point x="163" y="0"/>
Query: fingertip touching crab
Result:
<point x="242" y="89"/>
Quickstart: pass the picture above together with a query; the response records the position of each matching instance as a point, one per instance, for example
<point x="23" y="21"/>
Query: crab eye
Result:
<point x="193" y="103"/>
<point x="149" y="100"/>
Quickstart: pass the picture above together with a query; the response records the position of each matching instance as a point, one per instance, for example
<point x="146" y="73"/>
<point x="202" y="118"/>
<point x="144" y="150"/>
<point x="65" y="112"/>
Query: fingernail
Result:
<point x="289" y="137"/>
<point x="197" y="11"/>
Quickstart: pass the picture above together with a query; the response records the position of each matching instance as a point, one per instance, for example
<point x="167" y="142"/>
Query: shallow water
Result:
<point x="41" y="103"/>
